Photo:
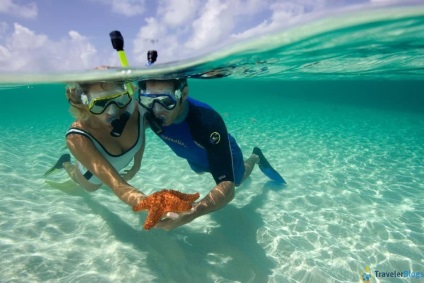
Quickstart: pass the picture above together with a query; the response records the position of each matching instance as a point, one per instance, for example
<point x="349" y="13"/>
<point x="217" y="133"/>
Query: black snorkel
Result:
<point x="155" y="123"/>
<point x="119" y="124"/>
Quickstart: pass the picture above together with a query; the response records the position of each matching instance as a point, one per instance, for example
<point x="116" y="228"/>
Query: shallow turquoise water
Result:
<point x="351" y="151"/>
<point x="352" y="158"/>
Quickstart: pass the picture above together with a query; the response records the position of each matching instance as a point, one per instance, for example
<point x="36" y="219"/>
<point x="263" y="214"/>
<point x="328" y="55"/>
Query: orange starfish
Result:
<point x="162" y="202"/>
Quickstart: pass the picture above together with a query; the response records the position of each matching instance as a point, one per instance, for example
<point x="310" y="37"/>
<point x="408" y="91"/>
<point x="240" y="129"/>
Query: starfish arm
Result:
<point x="161" y="202"/>
<point x="154" y="216"/>
<point x="150" y="201"/>
<point x="185" y="197"/>
<point x="173" y="204"/>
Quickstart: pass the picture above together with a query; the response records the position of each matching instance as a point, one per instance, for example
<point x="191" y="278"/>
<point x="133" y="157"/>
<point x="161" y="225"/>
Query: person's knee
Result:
<point x="82" y="181"/>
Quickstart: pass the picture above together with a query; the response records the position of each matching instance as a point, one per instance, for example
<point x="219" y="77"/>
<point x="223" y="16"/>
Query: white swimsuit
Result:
<point x="119" y="162"/>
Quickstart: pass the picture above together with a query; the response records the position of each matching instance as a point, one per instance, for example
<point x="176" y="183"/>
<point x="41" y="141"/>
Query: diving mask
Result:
<point x="99" y="104"/>
<point x="167" y="100"/>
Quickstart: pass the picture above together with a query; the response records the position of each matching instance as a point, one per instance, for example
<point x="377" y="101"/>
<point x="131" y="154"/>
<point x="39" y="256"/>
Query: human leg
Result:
<point x="249" y="164"/>
<point x="64" y="162"/>
<point x="78" y="178"/>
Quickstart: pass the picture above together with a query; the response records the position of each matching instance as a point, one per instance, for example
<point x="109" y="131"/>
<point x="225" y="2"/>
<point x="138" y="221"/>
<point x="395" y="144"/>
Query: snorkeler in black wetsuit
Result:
<point x="197" y="133"/>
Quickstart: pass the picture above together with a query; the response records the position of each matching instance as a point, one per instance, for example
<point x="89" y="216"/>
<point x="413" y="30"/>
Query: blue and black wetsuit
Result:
<point x="202" y="139"/>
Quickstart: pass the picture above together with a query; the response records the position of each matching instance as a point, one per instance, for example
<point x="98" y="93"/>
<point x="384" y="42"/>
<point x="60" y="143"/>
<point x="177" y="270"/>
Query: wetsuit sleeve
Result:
<point x="209" y="130"/>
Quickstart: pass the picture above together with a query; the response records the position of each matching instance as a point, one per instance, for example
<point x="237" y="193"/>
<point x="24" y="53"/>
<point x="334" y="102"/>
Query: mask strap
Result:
<point x="178" y="94"/>
<point x="84" y="99"/>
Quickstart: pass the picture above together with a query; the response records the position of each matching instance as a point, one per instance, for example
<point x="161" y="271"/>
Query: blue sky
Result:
<point x="61" y="35"/>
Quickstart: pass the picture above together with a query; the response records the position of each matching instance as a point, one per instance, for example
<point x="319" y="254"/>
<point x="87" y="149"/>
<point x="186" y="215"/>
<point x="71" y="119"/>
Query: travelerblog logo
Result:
<point x="367" y="276"/>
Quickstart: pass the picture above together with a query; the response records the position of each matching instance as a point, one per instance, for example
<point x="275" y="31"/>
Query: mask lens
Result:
<point x="98" y="105"/>
<point x="166" y="100"/>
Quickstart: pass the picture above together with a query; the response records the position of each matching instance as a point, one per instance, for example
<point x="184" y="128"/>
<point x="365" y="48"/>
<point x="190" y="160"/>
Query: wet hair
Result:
<point x="74" y="99"/>
<point x="178" y="84"/>
<point x="75" y="90"/>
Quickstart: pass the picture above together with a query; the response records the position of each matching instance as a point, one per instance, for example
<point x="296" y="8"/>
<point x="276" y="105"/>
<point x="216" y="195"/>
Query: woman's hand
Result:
<point x="129" y="174"/>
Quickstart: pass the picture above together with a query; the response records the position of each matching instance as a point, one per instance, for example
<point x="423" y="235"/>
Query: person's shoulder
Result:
<point x="204" y="122"/>
<point x="203" y="115"/>
<point x="78" y="128"/>
<point x="198" y="103"/>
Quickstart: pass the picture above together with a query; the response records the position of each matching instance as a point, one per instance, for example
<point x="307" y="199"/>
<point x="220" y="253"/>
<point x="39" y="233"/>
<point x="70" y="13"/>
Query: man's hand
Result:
<point x="217" y="198"/>
<point x="175" y="220"/>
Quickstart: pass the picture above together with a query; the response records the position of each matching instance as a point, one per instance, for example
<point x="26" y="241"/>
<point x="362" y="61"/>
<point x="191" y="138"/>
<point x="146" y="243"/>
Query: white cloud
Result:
<point x="3" y="28"/>
<point x="153" y="31"/>
<point x="5" y="56"/>
<point x="177" y="13"/>
<point x="80" y="51"/>
<point x="214" y="24"/>
<point x="20" y="49"/>
<point x="257" y="30"/>
<point x="127" y="8"/>
<point x="283" y="14"/>
<point x="166" y="31"/>
<point x="28" y="10"/>
<point x="152" y="36"/>
<point x="24" y="38"/>
<point x="30" y="52"/>
<point x="182" y="28"/>
<point x="177" y="29"/>
<point x="220" y="21"/>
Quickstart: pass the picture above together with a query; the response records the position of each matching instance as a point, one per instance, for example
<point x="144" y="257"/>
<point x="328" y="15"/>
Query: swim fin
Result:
<point x="59" y="164"/>
<point x="266" y="168"/>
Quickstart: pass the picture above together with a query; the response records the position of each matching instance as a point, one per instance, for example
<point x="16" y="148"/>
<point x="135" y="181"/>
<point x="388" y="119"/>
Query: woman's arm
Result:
<point x="86" y="153"/>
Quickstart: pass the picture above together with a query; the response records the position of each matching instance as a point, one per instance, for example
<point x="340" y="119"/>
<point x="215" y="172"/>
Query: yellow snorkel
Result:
<point x="118" y="125"/>
<point x="118" y="45"/>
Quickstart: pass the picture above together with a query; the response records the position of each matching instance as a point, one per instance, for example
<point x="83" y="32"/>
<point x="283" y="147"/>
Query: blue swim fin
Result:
<point x="266" y="168"/>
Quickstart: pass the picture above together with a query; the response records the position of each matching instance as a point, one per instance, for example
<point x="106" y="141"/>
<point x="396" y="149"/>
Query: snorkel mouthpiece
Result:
<point x="118" y="125"/>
